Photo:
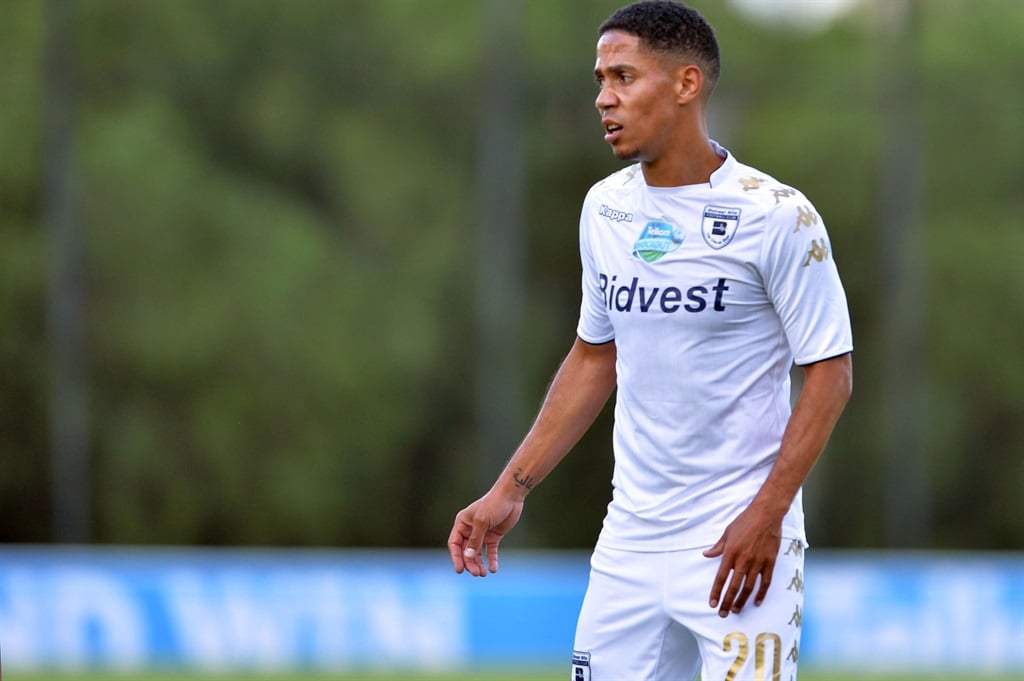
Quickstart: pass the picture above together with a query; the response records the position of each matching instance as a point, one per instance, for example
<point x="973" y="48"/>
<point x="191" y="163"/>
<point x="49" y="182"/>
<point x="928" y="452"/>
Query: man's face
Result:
<point x="637" y="100"/>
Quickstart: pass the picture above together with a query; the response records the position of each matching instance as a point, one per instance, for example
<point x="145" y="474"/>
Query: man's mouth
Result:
<point x="611" y="130"/>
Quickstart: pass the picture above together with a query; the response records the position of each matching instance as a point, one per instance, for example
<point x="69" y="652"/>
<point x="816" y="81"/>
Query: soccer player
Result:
<point x="704" y="281"/>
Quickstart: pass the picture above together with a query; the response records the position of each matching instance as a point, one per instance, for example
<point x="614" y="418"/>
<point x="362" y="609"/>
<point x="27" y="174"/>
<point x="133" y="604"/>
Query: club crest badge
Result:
<point x="656" y="240"/>
<point x="719" y="225"/>
<point x="580" y="666"/>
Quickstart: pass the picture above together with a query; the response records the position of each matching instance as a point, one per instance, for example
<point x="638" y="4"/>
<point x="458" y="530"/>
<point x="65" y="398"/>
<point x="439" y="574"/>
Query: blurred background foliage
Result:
<point x="280" y="218"/>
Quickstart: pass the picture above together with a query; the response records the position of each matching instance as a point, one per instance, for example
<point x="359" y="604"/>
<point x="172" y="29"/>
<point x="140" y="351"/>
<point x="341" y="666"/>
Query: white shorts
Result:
<point x="646" y="617"/>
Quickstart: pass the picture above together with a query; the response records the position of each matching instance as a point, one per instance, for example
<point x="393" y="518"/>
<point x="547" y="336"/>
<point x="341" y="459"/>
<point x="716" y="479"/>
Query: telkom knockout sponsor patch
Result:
<point x="656" y="240"/>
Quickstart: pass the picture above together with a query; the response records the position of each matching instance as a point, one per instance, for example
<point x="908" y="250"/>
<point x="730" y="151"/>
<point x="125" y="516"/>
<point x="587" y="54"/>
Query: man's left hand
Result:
<point x="748" y="547"/>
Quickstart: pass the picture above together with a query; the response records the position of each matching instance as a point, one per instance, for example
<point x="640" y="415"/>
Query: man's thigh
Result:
<point x="761" y="642"/>
<point x="624" y="631"/>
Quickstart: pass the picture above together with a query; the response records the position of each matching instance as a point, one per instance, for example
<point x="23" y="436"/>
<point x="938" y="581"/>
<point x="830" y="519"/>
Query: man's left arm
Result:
<point x="750" y="544"/>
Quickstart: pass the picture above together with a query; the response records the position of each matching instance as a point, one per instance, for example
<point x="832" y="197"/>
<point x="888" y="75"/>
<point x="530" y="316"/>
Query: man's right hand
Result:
<point x="478" y="529"/>
<point x="579" y="390"/>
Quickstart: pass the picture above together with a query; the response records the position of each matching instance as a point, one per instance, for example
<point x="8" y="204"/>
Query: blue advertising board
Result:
<point x="125" y="609"/>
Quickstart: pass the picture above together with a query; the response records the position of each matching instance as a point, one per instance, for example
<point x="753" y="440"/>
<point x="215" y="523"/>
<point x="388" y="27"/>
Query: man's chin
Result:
<point x="624" y="154"/>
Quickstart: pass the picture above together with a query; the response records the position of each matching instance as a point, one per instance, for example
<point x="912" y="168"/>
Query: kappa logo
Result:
<point x="656" y="240"/>
<point x="818" y="252"/>
<point x="797" y="583"/>
<point x="751" y="183"/>
<point x="613" y="214"/>
<point x="782" y="193"/>
<point x="719" y="225"/>
<point x="797" y="620"/>
<point x="805" y="217"/>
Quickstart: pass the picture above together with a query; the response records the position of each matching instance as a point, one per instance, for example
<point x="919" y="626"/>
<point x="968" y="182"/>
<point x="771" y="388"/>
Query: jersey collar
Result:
<point x="725" y="170"/>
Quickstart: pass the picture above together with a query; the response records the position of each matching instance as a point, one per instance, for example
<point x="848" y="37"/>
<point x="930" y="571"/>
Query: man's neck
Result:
<point x="692" y="166"/>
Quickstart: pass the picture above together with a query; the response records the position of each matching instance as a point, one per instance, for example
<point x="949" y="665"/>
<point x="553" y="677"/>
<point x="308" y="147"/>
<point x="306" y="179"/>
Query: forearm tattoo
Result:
<point x="521" y="480"/>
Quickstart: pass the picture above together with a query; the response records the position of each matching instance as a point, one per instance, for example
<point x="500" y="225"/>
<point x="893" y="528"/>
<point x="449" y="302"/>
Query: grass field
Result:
<point x="479" y="675"/>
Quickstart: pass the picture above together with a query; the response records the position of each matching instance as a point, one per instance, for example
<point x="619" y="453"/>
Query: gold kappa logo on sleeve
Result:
<point x="751" y="183"/>
<point x="805" y="217"/>
<point x="784" y="193"/>
<point x="818" y="252"/>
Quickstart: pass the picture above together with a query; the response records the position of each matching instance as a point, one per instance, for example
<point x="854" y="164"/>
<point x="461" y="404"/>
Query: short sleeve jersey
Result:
<point x="711" y="292"/>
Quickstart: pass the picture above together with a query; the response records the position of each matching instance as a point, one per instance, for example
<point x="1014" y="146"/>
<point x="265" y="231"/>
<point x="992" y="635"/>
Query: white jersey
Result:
<point x="710" y="292"/>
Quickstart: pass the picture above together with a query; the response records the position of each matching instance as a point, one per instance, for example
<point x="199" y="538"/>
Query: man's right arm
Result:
<point x="580" y="389"/>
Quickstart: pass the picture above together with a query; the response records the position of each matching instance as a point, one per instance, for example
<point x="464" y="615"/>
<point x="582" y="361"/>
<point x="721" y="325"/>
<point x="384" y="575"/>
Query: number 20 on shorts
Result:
<point x="761" y="643"/>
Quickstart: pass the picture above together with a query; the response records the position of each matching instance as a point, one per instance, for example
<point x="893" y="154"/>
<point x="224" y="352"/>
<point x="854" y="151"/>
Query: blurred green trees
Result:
<point x="279" y="205"/>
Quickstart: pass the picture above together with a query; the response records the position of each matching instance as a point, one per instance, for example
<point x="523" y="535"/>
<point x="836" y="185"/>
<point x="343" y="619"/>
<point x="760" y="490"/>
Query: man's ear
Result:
<point x="689" y="83"/>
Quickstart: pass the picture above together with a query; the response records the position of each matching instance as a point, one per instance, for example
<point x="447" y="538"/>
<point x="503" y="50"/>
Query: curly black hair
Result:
<point x="670" y="28"/>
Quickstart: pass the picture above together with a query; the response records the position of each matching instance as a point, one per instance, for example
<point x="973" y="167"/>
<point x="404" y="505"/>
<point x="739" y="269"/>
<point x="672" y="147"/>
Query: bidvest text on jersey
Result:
<point x="623" y="297"/>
